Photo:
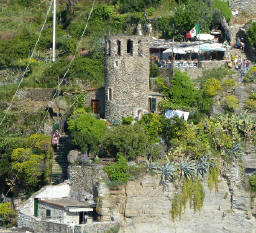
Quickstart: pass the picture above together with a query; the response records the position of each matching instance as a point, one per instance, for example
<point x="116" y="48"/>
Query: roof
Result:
<point x="186" y="47"/>
<point x="67" y="202"/>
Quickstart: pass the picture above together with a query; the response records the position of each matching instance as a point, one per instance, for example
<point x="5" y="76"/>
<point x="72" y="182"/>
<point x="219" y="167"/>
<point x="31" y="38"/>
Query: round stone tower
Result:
<point x="126" y="76"/>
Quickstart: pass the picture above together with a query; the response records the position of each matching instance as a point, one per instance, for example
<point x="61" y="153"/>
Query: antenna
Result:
<point x="54" y="30"/>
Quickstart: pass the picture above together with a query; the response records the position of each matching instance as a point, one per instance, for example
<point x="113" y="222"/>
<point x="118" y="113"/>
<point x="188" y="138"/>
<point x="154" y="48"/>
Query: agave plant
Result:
<point x="152" y="167"/>
<point x="204" y="164"/>
<point x="167" y="172"/>
<point x="235" y="152"/>
<point x="188" y="168"/>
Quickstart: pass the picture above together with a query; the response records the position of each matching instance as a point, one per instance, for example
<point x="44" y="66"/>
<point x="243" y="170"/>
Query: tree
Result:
<point x="129" y="140"/>
<point x="185" y="18"/>
<point x="223" y="7"/>
<point x="7" y="214"/>
<point x="251" y="34"/>
<point x="181" y="94"/>
<point x="86" y="130"/>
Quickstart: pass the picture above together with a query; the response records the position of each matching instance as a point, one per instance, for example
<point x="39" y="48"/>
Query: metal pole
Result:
<point x="54" y="30"/>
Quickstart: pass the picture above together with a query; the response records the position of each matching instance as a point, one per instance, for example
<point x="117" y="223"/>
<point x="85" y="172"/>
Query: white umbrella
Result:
<point x="179" y="51"/>
<point x="167" y="51"/>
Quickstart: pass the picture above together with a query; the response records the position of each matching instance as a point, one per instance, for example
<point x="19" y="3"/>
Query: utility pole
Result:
<point x="54" y="30"/>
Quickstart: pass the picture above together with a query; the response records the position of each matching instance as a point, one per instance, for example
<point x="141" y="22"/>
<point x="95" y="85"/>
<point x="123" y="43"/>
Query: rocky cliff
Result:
<point x="142" y="206"/>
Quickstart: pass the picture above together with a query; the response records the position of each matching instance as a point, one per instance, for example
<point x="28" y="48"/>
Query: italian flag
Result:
<point x="193" y="32"/>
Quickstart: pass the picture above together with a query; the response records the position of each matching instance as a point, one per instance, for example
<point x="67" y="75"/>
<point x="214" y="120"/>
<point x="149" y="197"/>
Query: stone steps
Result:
<point x="60" y="162"/>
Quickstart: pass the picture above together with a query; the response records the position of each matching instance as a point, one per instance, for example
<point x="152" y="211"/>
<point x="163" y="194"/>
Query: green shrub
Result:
<point x="154" y="71"/>
<point x="86" y="130"/>
<point x="129" y="140"/>
<point x="211" y="87"/>
<point x="127" y="120"/>
<point x="230" y="103"/>
<point x="223" y="7"/>
<point x="117" y="172"/>
<point x="7" y="215"/>
<point x="250" y="104"/>
<point x="180" y="94"/>
<point x="251" y="75"/>
<point x="251" y="34"/>
<point x="252" y="182"/>
<point x="228" y="83"/>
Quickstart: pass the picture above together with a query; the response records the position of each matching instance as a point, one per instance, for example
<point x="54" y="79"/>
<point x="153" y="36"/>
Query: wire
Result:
<point x="29" y="62"/>
<point x="56" y="92"/>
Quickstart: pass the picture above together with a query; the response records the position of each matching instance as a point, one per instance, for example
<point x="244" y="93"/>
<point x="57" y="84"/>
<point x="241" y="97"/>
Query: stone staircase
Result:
<point x="60" y="162"/>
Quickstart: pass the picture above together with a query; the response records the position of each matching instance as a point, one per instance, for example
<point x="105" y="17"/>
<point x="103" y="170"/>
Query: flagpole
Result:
<point x="54" y="31"/>
<point x="198" y="45"/>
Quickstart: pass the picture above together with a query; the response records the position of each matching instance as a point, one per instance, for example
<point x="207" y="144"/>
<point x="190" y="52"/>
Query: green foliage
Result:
<point x="181" y="94"/>
<point x="223" y="7"/>
<point x="251" y="34"/>
<point x="211" y="87"/>
<point x="154" y="71"/>
<point x="28" y="166"/>
<point x="127" y="120"/>
<point x="152" y="125"/>
<point x="251" y="75"/>
<point x="213" y="177"/>
<point x="252" y="182"/>
<point x="136" y="5"/>
<point x="118" y="171"/>
<point x="129" y="140"/>
<point x="250" y="105"/>
<point x="114" y="229"/>
<point x="184" y="19"/>
<point x="228" y="83"/>
<point x="192" y="191"/>
<point x="230" y="103"/>
<point x="86" y="130"/>
<point x="7" y="215"/>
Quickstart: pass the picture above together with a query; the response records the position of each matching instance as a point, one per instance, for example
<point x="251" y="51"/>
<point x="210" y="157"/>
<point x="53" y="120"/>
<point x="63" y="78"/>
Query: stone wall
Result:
<point x="126" y="77"/>
<point x="57" y="213"/>
<point x="37" y="94"/>
<point x="84" y="180"/>
<point x="37" y="226"/>
<point x="98" y="94"/>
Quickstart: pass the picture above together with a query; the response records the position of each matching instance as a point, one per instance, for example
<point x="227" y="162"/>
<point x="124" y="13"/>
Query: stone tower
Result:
<point x="126" y="76"/>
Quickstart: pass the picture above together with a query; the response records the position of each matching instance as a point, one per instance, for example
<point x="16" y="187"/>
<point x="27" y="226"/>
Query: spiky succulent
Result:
<point x="188" y="168"/>
<point x="167" y="172"/>
<point x="204" y="164"/>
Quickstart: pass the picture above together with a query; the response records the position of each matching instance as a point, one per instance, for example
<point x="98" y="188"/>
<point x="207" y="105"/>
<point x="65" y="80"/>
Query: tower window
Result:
<point x="48" y="213"/>
<point x="116" y="64"/>
<point x="140" y="48"/>
<point x="130" y="47"/>
<point x="110" y="93"/>
<point x="109" y="48"/>
<point x="152" y="104"/>
<point x="119" y="47"/>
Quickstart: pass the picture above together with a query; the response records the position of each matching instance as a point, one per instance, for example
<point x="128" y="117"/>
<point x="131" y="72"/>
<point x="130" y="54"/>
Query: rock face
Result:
<point x="248" y="6"/>
<point x="143" y="207"/>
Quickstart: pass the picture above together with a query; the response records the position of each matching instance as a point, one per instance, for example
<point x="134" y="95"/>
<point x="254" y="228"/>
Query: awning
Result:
<point x="78" y="209"/>
<point x="205" y="37"/>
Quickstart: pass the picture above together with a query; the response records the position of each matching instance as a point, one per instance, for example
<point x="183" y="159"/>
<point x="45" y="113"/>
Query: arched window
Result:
<point x="140" y="48"/>
<point x="110" y="93"/>
<point x="130" y="47"/>
<point x="109" y="48"/>
<point x="119" y="47"/>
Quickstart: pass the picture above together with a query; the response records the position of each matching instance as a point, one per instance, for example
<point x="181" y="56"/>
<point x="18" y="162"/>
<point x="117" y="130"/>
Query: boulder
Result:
<point x="73" y="156"/>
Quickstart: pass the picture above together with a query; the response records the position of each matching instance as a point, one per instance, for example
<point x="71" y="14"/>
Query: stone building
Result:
<point x="127" y="67"/>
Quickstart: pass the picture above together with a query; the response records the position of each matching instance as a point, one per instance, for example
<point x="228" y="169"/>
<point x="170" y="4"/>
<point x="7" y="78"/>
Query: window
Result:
<point x="119" y="47"/>
<point x="96" y="106"/>
<point x="140" y="48"/>
<point x="110" y="94"/>
<point x="48" y="213"/>
<point x="116" y="64"/>
<point x="152" y="104"/>
<point x="130" y="47"/>
<point x="109" y="48"/>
